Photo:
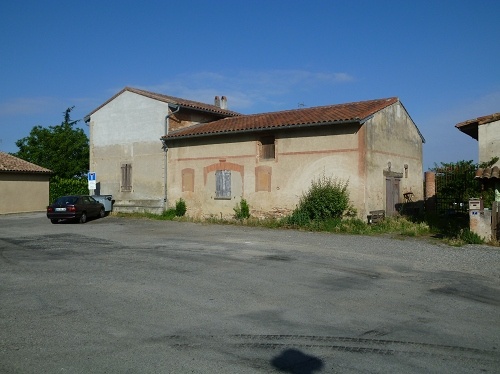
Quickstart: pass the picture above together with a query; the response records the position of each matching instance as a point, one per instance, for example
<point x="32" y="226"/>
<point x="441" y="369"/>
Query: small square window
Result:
<point x="267" y="148"/>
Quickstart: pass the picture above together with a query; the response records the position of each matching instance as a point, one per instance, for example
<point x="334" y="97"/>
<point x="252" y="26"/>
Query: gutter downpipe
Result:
<point x="174" y="108"/>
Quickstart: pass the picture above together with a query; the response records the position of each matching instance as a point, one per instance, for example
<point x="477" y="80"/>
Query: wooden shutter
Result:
<point x="267" y="148"/>
<point x="126" y="184"/>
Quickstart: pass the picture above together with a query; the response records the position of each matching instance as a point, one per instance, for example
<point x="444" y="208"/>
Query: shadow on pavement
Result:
<point x="295" y="362"/>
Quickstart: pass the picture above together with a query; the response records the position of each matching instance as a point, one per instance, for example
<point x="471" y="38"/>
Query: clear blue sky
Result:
<point x="441" y="58"/>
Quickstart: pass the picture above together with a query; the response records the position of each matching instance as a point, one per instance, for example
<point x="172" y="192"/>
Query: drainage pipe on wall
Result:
<point x="173" y="108"/>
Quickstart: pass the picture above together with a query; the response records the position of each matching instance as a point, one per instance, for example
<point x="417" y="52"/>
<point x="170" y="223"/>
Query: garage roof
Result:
<point x="9" y="163"/>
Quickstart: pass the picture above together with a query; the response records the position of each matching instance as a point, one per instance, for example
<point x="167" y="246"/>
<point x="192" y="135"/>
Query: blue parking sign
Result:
<point x="92" y="181"/>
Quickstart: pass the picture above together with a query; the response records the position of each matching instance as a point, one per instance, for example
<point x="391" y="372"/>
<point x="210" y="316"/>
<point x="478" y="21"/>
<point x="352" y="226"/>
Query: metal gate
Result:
<point x="454" y="187"/>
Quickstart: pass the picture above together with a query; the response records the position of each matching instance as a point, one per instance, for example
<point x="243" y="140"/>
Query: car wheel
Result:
<point x="54" y="221"/>
<point x="102" y="213"/>
<point x="83" y="217"/>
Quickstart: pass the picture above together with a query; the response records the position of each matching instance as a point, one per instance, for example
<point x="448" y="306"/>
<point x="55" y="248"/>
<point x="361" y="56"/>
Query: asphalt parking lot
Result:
<point x="118" y="295"/>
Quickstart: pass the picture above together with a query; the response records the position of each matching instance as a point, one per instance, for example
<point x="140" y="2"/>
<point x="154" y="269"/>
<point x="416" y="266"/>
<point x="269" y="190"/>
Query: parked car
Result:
<point x="75" y="207"/>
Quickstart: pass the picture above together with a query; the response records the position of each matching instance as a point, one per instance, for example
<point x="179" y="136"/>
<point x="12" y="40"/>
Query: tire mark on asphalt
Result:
<point x="328" y="343"/>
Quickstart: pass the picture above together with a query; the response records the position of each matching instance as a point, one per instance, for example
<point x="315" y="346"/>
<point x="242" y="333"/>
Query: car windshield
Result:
<point x="65" y="200"/>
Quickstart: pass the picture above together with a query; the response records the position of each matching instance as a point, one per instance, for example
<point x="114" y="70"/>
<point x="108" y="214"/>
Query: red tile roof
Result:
<point x="322" y="115"/>
<point x="481" y="120"/>
<point x="488" y="173"/>
<point x="170" y="100"/>
<point x="469" y="127"/>
<point x="9" y="163"/>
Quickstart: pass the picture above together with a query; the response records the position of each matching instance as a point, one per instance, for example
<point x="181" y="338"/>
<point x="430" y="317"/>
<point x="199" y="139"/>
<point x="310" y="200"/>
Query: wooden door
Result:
<point x="391" y="195"/>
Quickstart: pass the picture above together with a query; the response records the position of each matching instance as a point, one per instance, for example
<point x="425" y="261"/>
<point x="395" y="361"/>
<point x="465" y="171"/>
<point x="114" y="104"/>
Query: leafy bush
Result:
<point x="242" y="210"/>
<point x="180" y="207"/>
<point x="67" y="186"/>
<point x="326" y="198"/>
<point x="470" y="237"/>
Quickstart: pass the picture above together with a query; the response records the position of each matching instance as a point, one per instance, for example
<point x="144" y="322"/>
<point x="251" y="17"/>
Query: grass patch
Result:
<point x="451" y="230"/>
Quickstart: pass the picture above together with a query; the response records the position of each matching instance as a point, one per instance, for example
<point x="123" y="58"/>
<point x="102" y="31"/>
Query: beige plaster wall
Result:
<point x="128" y="130"/>
<point x="392" y="141"/>
<point x="353" y="154"/>
<point x="23" y="192"/>
<point x="489" y="141"/>
<point x="301" y="156"/>
<point x="480" y="223"/>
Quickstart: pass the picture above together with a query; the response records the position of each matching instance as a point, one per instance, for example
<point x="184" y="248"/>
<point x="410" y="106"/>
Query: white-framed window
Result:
<point x="223" y="184"/>
<point x="126" y="182"/>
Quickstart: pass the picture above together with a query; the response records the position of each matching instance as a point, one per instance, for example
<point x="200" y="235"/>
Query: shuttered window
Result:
<point x="126" y="183"/>
<point x="267" y="148"/>
<point x="223" y="184"/>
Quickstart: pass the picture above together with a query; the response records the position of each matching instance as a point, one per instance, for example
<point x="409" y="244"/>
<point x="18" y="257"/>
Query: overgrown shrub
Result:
<point x="326" y="198"/>
<point x="64" y="186"/>
<point x="180" y="207"/>
<point x="242" y="210"/>
<point x="470" y="237"/>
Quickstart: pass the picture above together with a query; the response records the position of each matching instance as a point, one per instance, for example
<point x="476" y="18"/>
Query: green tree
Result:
<point x="64" y="149"/>
<point x="455" y="180"/>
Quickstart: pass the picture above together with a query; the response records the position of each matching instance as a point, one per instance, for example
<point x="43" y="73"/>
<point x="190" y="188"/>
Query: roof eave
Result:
<point x="27" y="172"/>
<point x="470" y="129"/>
<point x="266" y="129"/>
